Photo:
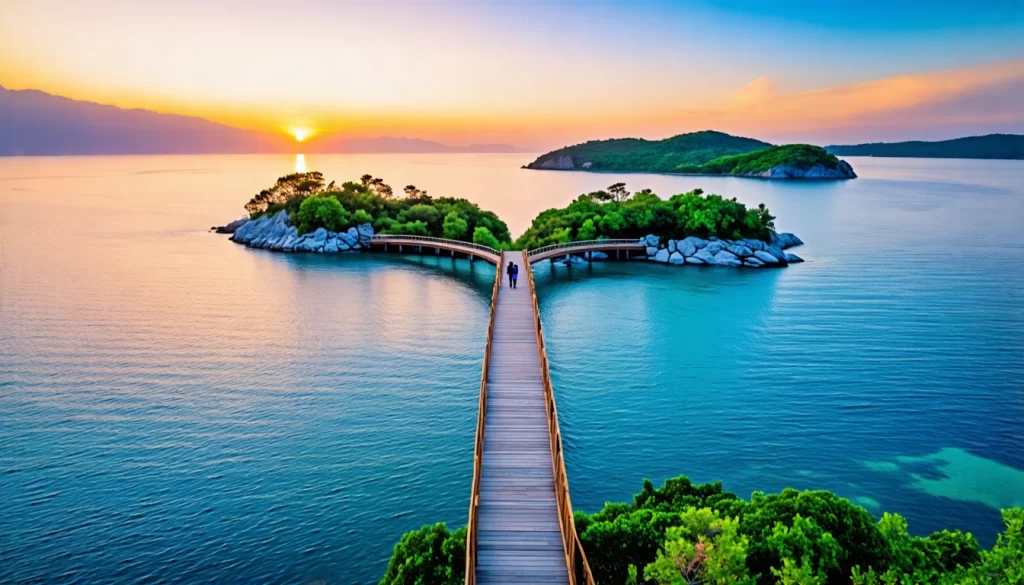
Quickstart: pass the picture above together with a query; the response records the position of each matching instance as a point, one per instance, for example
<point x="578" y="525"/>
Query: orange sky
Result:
<point x="461" y="73"/>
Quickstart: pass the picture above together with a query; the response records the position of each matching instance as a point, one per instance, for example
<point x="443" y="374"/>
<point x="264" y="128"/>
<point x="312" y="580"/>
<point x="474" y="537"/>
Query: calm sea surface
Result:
<point x="177" y="409"/>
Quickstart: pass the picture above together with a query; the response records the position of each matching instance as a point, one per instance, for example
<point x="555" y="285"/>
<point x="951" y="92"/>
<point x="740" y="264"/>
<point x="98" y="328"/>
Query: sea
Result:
<point x="175" y="408"/>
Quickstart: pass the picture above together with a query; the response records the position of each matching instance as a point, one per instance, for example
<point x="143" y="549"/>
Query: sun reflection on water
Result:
<point x="300" y="163"/>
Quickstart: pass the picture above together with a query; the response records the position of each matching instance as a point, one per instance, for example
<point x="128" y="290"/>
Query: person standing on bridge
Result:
<point x="515" y="275"/>
<point x="508" y="271"/>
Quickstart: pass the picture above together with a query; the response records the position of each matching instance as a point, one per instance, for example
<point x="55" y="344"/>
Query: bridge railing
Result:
<point x="575" y="557"/>
<point x="383" y="239"/>
<point x="478" y="449"/>
<point x="585" y="244"/>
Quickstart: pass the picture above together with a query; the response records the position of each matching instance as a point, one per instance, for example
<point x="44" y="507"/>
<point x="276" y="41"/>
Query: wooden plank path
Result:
<point x="519" y="540"/>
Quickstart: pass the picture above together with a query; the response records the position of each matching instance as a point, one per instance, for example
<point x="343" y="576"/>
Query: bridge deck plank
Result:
<point x="519" y="538"/>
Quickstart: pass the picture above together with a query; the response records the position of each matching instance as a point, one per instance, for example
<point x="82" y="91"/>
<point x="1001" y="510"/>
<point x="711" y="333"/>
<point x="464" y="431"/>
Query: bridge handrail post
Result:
<point x="390" y="237"/>
<point x="572" y="547"/>
<point x="478" y="445"/>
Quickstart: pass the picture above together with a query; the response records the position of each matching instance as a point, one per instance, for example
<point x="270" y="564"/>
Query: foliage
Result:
<point x="800" y="156"/>
<point x="686" y="214"/>
<point x="661" y="156"/>
<point x="321" y="212"/>
<point x="704" y="548"/>
<point x="431" y="555"/>
<point x="686" y="533"/>
<point x="454" y="227"/>
<point x="295" y="185"/>
<point x="484" y="237"/>
<point x="1008" y="146"/>
<point x="371" y="200"/>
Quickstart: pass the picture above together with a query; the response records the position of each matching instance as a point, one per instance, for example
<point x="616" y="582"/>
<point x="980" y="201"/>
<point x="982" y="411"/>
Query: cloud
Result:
<point x="984" y="98"/>
<point x="757" y="91"/>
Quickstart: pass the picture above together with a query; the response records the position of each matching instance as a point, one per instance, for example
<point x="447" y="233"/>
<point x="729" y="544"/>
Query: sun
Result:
<point x="301" y="134"/>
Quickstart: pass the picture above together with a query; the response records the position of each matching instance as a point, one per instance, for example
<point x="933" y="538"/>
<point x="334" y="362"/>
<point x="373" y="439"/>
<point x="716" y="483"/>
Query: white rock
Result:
<point x="714" y="247"/>
<point x="661" y="256"/>
<point x="694" y="260"/>
<point x="354" y="234"/>
<point x="766" y="257"/>
<point x="676" y="258"/>
<point x="704" y="256"/>
<point x="740" y="250"/>
<point x="690" y="245"/>
<point x="726" y="258"/>
<point x="753" y="262"/>
<point x="365" y="233"/>
<point x="671" y="246"/>
<point x="347" y="239"/>
<point x="785" y="240"/>
<point x="793" y="259"/>
<point x="652" y="250"/>
<point x="572" y="260"/>
<point x="331" y="245"/>
<point x="652" y="240"/>
<point x="598" y="256"/>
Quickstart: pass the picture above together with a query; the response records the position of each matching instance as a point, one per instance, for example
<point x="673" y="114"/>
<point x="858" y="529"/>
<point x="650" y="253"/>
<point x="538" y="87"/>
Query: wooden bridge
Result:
<point x="521" y="529"/>
<point x="423" y="244"/>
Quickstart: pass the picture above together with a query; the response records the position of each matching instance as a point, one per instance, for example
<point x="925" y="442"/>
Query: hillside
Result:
<point x="637" y="154"/>
<point x="34" y="123"/>
<point x="992" y="146"/>
<point x="705" y="153"/>
<point x="37" y="123"/>
<point x="789" y="161"/>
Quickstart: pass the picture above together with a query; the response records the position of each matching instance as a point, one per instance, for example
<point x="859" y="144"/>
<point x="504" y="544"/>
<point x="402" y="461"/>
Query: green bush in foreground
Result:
<point x="684" y="534"/>
<point x="431" y="555"/>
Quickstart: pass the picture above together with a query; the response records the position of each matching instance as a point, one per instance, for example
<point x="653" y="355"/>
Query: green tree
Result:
<point x="429" y="556"/>
<point x="321" y="212"/>
<point x="286" y="187"/>
<point x="454" y="226"/>
<point x="484" y="237"/>
<point x="587" y="231"/>
<point x="361" y="216"/>
<point x="705" y="548"/>
<point x="428" y="214"/>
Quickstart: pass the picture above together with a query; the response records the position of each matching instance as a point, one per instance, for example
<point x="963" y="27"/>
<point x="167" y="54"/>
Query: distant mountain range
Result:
<point x="992" y="146"/>
<point x="37" y="123"/>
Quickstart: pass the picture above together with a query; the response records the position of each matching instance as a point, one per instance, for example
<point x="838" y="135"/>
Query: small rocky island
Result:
<point x="699" y="153"/>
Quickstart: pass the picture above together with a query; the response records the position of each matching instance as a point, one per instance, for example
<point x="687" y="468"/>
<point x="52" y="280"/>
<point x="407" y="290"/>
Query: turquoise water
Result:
<point x="178" y="409"/>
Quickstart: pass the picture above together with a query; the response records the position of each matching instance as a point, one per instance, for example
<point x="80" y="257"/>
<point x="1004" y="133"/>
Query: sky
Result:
<point x="536" y="74"/>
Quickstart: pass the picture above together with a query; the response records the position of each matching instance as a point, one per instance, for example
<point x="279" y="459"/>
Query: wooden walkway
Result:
<point x="519" y="539"/>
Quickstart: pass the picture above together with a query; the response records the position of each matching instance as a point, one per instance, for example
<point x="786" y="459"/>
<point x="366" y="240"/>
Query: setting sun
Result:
<point x="301" y="134"/>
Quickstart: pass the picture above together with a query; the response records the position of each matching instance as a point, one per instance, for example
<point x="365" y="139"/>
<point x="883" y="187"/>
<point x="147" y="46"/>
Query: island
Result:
<point x="699" y="153"/>
<point x="991" y="146"/>
<point x="300" y="213"/>
<point x="685" y="533"/>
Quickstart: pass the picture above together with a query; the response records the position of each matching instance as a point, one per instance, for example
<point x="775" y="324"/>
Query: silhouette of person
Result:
<point x="515" y="275"/>
<point x="508" y="271"/>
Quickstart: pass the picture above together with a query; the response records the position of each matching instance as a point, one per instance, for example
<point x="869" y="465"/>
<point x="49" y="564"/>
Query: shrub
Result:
<point x="484" y="237"/>
<point x="429" y="556"/>
<point x="361" y="216"/>
<point x="454" y="226"/>
<point x="322" y="212"/>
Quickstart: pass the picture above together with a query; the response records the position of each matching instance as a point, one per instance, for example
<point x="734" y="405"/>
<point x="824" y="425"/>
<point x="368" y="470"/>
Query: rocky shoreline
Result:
<point x="748" y="253"/>
<point x="819" y="171"/>
<point x="273" y="233"/>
